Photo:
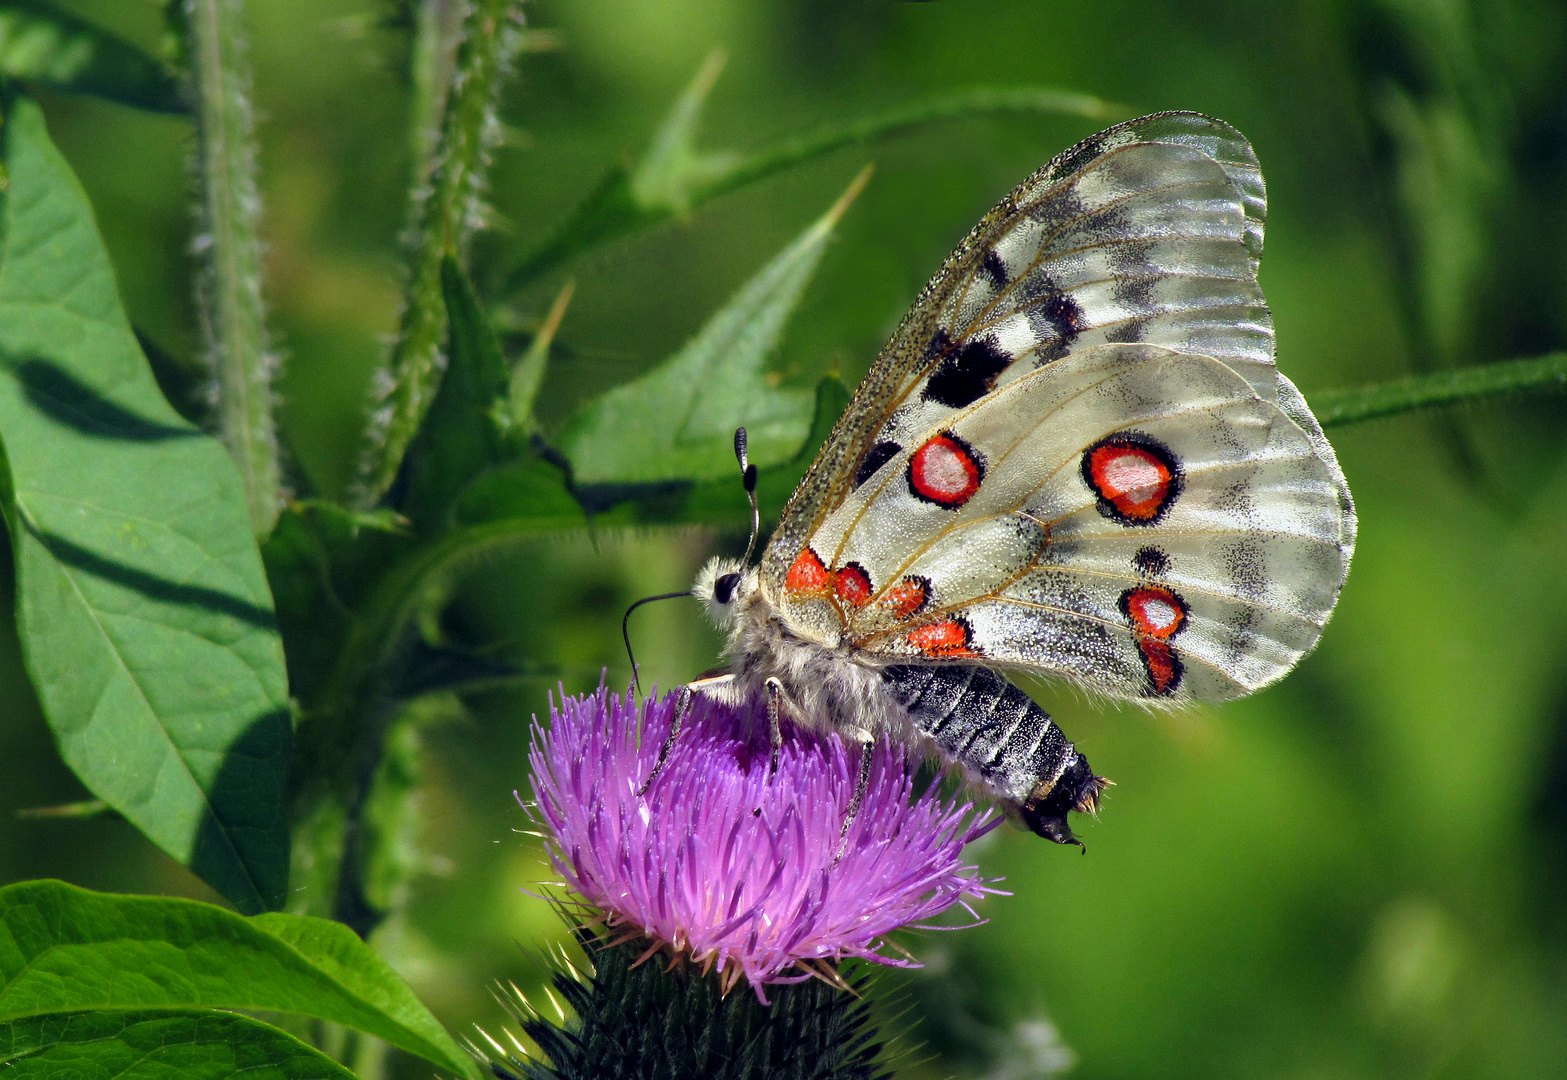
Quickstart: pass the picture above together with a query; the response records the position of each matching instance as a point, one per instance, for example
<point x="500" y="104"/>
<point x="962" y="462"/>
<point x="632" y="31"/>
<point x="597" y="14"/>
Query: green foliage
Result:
<point x="638" y="1022"/>
<point x="465" y="431"/>
<point x="148" y="629"/>
<point x="158" y="1046"/>
<point x="674" y="177"/>
<point x="41" y="43"/>
<point x="66" y="951"/>
<point x="679" y="419"/>
<point x="449" y="212"/>
<point x="144" y="615"/>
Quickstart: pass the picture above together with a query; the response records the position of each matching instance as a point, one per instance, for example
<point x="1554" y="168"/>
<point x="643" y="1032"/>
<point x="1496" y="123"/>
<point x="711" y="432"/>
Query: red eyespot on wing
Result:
<point x="1163" y="666"/>
<point x="807" y="575"/>
<point x="1157" y="614"/>
<point x="907" y="597"/>
<point x="1136" y="478"/>
<point x="1154" y="611"/>
<point x="945" y="471"/>
<point x="852" y="585"/>
<point x="949" y="637"/>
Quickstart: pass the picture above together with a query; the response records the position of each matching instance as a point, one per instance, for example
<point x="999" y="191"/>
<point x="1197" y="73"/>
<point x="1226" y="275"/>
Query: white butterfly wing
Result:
<point x="1133" y="518"/>
<point x="1105" y="316"/>
<point x="1149" y="231"/>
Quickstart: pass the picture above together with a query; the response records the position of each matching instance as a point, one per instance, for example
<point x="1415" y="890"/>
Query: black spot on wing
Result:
<point x="967" y="375"/>
<point x="1152" y="561"/>
<point x="875" y="458"/>
<point x="993" y="269"/>
<point x="1057" y="320"/>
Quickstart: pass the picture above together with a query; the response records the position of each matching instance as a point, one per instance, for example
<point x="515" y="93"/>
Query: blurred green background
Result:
<point x="1362" y="872"/>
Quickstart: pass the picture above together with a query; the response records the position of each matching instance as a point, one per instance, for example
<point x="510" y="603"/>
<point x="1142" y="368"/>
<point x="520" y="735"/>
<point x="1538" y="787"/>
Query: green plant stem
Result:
<point x="448" y="213"/>
<point x="437" y="30"/>
<point x="1335" y="408"/>
<point x="233" y="317"/>
<point x="613" y="210"/>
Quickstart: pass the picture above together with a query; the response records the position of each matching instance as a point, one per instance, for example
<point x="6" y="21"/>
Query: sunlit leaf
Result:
<point x="144" y="614"/>
<point x="68" y="950"/>
<point x="678" y="420"/>
<point x="44" y="44"/>
<point x="158" y="1046"/>
<point x="722" y="501"/>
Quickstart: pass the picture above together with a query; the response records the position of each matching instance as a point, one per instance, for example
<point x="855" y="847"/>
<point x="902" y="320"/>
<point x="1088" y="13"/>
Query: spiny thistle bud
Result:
<point x="723" y="871"/>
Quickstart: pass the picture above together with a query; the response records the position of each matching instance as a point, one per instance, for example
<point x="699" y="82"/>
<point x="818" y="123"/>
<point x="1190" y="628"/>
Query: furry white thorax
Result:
<point x="825" y="688"/>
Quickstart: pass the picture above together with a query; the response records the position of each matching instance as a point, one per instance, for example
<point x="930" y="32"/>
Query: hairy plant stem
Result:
<point x="1335" y="408"/>
<point x="448" y="210"/>
<point x="233" y="316"/>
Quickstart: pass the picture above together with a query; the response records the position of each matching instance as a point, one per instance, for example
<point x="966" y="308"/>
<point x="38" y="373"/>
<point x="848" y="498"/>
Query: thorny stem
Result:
<point x="233" y="317"/>
<point x="449" y="210"/>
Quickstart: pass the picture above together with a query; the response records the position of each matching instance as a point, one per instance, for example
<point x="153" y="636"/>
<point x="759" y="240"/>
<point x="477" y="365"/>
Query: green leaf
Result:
<point x="321" y="559"/>
<point x="64" y="950"/>
<point x="143" y="610"/>
<point x="678" y="421"/>
<point x="534" y="491"/>
<point x="41" y="43"/>
<point x="675" y="177"/>
<point x="463" y="433"/>
<point x="528" y="376"/>
<point x="673" y="168"/>
<point x="1335" y="408"/>
<point x="158" y="1046"/>
<point x="722" y="502"/>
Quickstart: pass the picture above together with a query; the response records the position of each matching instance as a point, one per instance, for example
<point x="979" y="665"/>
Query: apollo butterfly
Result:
<point x="1074" y="458"/>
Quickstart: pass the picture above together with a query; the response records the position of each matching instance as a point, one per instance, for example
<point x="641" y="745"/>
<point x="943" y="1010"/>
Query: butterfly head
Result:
<point x="723" y="586"/>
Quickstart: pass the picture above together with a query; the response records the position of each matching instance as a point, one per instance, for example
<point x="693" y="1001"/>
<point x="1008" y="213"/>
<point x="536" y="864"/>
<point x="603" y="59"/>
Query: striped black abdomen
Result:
<point x="979" y="719"/>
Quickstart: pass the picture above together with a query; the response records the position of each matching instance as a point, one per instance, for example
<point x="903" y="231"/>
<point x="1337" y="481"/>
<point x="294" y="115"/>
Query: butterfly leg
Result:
<point x="682" y="711"/>
<point x="775" y="698"/>
<point x="861" y="786"/>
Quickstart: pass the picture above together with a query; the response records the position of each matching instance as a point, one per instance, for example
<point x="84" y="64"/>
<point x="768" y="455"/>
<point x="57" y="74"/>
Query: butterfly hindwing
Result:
<point x="1133" y="518"/>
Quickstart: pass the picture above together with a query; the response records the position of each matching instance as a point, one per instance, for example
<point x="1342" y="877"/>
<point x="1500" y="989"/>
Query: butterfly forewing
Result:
<point x="1060" y="523"/>
<point x="1149" y="231"/>
<point x="1075" y="455"/>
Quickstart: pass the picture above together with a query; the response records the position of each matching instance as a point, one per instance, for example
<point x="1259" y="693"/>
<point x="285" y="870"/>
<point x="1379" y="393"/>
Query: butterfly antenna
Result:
<point x="748" y="477"/>
<point x="625" y="630"/>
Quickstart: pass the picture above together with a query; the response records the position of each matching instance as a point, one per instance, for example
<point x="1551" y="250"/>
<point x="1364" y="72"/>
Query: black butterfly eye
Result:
<point x="724" y="588"/>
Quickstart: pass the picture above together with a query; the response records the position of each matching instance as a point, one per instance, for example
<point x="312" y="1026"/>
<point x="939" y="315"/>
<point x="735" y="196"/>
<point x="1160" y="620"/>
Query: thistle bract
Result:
<point x="735" y="867"/>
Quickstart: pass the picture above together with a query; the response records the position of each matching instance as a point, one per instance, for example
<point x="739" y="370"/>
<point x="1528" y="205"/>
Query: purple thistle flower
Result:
<point x="696" y="869"/>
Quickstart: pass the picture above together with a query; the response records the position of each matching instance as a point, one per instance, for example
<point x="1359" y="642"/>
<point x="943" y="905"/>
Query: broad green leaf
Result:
<point x="143" y="611"/>
<point x="41" y="43"/>
<point x="674" y="177"/>
<point x="678" y="421"/>
<point x="64" y="949"/>
<point x="462" y="433"/>
<point x="157" y="1046"/>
